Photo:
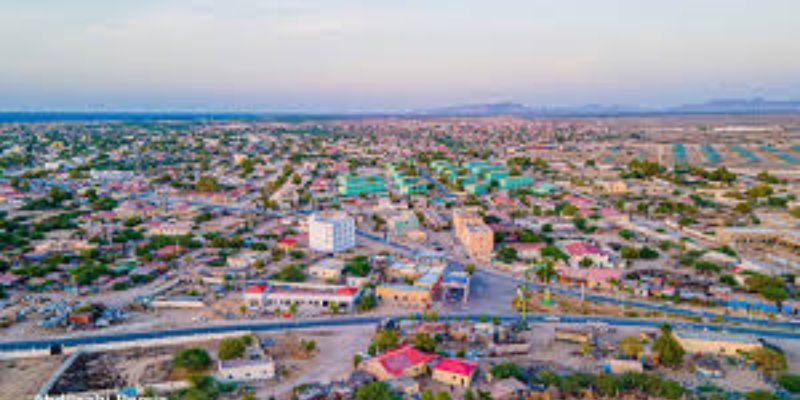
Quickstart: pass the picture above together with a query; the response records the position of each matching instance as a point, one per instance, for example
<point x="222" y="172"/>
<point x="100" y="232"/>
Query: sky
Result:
<point x="374" y="55"/>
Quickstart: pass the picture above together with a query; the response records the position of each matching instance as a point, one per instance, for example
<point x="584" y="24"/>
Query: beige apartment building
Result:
<point x="476" y="237"/>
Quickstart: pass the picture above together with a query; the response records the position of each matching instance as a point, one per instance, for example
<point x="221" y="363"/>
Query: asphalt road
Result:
<point x="601" y="298"/>
<point x="348" y="321"/>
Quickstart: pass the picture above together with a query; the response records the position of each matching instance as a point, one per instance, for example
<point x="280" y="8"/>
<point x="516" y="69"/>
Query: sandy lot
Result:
<point x="333" y="359"/>
<point x="20" y="379"/>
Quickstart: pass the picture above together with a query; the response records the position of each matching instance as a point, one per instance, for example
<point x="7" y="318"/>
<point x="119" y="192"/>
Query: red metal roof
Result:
<point x="398" y="360"/>
<point x="256" y="289"/>
<point x="456" y="366"/>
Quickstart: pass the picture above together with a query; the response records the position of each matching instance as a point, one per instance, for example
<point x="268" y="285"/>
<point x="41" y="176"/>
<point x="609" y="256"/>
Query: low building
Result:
<point x="527" y="251"/>
<point x="246" y="370"/>
<point x="514" y="182"/>
<point x="407" y="386"/>
<point x="591" y="277"/>
<point x="578" y="251"/>
<point x="244" y="259"/>
<point x="404" y="295"/>
<point x="508" y="389"/>
<point x="573" y="335"/>
<point x="329" y="269"/>
<point x="708" y="367"/>
<point x="306" y="297"/>
<point x="254" y="296"/>
<point x="616" y="366"/>
<point x="403" y="223"/>
<point x="709" y="342"/>
<point x="454" y="371"/>
<point x="613" y="187"/>
<point x="402" y="361"/>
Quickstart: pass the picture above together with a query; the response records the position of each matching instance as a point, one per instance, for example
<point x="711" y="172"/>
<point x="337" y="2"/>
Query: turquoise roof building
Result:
<point x="513" y="182"/>
<point x="357" y="185"/>
<point x="477" y="188"/>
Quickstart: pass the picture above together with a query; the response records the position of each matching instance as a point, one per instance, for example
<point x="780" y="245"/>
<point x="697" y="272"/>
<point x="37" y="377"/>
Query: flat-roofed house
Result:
<point x="709" y="342"/>
<point x="327" y="269"/>
<point x="246" y="369"/>
<point x="404" y="295"/>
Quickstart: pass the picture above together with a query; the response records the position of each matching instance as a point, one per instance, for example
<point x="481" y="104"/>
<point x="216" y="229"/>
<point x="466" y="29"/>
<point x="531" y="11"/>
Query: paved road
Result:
<point x="425" y="174"/>
<point x="601" y="298"/>
<point x="349" y="321"/>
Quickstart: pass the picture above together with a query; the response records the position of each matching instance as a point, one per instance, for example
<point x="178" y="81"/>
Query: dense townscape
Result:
<point x="498" y="257"/>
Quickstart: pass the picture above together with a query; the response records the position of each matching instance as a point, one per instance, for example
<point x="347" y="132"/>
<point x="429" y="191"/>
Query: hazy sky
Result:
<point x="322" y="55"/>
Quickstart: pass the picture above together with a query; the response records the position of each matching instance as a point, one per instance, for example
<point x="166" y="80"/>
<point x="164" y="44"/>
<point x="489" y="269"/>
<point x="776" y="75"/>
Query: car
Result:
<point x="552" y="318"/>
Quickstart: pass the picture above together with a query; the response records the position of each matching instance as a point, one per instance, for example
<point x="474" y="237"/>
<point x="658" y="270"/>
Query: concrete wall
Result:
<point x="156" y="342"/>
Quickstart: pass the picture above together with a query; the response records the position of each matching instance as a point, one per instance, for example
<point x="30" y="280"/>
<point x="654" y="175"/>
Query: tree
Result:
<point x="760" y="395"/>
<point x="507" y="254"/>
<point x="607" y="385"/>
<point x="669" y="350"/>
<point x="586" y="262"/>
<point x="647" y="253"/>
<point x="230" y="348"/>
<point x="442" y="396"/>
<point x="367" y="303"/>
<point x="468" y="395"/>
<point x="546" y="272"/>
<point x="774" y="293"/>
<point x="309" y="345"/>
<point x="207" y="184"/>
<point x="707" y="266"/>
<point x="192" y="359"/>
<point x="356" y="360"/>
<point x="743" y="208"/>
<point x="586" y="349"/>
<point x="470" y="269"/>
<point x="790" y="382"/>
<point x="768" y="360"/>
<point x="631" y="346"/>
<point x="376" y="391"/>
<point x="426" y="394"/>
<point x="553" y="253"/>
<point x="626" y="234"/>
<point x="386" y="339"/>
<point x="507" y="369"/>
<point x="424" y="342"/>
<point x="629" y="253"/>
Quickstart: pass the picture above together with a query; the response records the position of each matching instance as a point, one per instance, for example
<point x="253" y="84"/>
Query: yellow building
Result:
<point x="697" y="342"/>
<point x="476" y="237"/>
<point x="454" y="371"/>
<point x="404" y="295"/>
<point x="613" y="187"/>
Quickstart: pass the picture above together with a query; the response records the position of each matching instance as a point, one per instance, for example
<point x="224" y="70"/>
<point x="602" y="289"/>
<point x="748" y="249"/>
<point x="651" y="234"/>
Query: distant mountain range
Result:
<point x="720" y="106"/>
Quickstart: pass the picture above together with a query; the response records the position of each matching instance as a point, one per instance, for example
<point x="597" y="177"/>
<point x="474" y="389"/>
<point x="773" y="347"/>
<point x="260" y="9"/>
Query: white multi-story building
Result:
<point x="331" y="232"/>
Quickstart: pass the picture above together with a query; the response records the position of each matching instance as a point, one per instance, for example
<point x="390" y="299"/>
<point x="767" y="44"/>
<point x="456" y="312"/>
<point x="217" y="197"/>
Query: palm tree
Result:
<point x="546" y="272"/>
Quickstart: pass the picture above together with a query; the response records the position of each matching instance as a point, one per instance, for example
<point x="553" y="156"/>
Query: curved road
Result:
<point x="40" y="344"/>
